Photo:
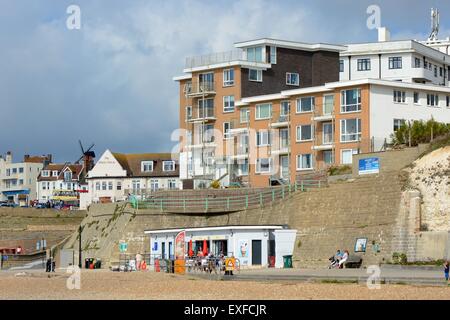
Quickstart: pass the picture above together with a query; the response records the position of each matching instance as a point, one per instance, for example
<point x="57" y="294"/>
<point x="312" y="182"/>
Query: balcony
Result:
<point x="199" y="89"/>
<point x="229" y="58"/>
<point x="282" y="121"/>
<point x="202" y="114"/>
<point x="323" y="147"/>
<point x="280" y="152"/>
<point x="324" y="117"/>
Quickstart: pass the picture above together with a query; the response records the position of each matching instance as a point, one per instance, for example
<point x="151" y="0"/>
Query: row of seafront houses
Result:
<point x="113" y="178"/>
<point x="269" y="111"/>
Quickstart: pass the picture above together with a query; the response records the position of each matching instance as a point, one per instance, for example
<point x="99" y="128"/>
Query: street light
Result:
<point x="80" y="229"/>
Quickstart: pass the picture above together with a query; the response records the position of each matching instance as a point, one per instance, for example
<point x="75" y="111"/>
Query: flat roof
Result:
<point x="291" y="45"/>
<point x="394" y="46"/>
<point x="234" y="227"/>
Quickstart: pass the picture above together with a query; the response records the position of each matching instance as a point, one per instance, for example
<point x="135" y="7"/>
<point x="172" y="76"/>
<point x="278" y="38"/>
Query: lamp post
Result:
<point x="80" y="229"/>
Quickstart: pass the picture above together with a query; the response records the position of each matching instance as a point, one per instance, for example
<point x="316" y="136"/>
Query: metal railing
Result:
<point x="199" y="88"/>
<point x="214" y="203"/>
<point x="214" y="58"/>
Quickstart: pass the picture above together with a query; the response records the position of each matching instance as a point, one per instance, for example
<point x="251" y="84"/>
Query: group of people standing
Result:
<point x="50" y="265"/>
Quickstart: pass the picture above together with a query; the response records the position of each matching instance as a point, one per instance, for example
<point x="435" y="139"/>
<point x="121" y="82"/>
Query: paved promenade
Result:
<point x="388" y="274"/>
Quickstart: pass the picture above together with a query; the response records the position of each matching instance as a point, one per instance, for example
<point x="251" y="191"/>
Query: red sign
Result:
<point x="180" y="250"/>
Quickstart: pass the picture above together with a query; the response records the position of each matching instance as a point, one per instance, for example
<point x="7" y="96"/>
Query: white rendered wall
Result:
<point x="383" y="110"/>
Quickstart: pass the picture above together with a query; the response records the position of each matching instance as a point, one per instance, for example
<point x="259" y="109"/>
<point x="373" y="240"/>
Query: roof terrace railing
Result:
<point x="249" y="200"/>
<point x="214" y="58"/>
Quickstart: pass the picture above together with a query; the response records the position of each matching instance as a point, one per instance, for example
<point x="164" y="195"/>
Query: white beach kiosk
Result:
<point x="253" y="245"/>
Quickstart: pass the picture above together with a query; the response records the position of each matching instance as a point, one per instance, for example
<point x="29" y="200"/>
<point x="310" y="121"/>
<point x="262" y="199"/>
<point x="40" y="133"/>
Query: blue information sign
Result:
<point x="369" y="165"/>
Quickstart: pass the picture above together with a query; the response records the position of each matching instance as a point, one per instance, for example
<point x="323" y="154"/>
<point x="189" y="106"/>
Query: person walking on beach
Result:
<point x="446" y="266"/>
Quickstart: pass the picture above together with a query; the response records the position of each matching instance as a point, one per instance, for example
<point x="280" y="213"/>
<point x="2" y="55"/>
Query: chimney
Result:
<point x="9" y="157"/>
<point x="383" y="34"/>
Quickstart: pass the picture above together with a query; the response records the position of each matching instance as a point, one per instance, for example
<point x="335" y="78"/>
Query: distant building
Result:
<point x="18" y="180"/>
<point x="61" y="182"/>
<point x="116" y="175"/>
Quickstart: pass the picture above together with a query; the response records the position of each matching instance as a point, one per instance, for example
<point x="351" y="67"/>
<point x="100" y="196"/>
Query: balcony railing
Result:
<point x="199" y="88"/>
<point x="214" y="58"/>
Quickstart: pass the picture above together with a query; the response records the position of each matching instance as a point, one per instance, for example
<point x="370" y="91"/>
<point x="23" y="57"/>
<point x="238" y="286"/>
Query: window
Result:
<point x="398" y="123"/>
<point x="119" y="185"/>
<point x="104" y="185"/>
<point x="154" y="184"/>
<point x="20" y="170"/>
<point x="255" y="54"/>
<point x="206" y="80"/>
<point x="205" y="108"/>
<point x="395" y="62"/>
<point x="188" y="112"/>
<point x="228" y="103"/>
<point x="304" y="161"/>
<point x="399" y="96"/>
<point x="350" y="100"/>
<point x="226" y="130"/>
<point x="168" y="165"/>
<point x="44" y="185"/>
<point x="243" y="167"/>
<point x="14" y="170"/>
<point x="263" y="111"/>
<point x="45" y="173"/>
<point x="228" y="77"/>
<point x="305" y="104"/>
<point x="262" y="138"/>
<point x="110" y="185"/>
<point x="285" y="108"/>
<point x="328" y="157"/>
<point x="416" y="62"/>
<point x="447" y="101"/>
<point x="328" y="104"/>
<point x="435" y="71"/>
<point x="97" y="186"/>
<point x="347" y="155"/>
<point x="363" y="64"/>
<point x="136" y="184"/>
<point x="273" y="55"/>
<point x="67" y="176"/>
<point x="416" y="97"/>
<point x="255" y="75"/>
<point x="244" y="115"/>
<point x="304" y="133"/>
<point x="432" y="100"/>
<point x="172" y="184"/>
<point x="327" y="133"/>
<point x="146" y="166"/>
<point x="292" y="79"/>
<point x="350" y="130"/>
<point x="263" y="165"/>
<point x="440" y="71"/>
<point x="341" y="65"/>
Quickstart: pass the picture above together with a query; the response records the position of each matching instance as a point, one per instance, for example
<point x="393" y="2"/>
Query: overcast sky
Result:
<point x="111" y="81"/>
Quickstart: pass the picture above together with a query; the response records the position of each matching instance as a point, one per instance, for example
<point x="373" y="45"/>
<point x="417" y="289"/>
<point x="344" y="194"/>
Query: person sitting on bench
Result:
<point x="343" y="259"/>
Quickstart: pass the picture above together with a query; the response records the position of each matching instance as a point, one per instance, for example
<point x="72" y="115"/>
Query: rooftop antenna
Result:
<point x="434" y="24"/>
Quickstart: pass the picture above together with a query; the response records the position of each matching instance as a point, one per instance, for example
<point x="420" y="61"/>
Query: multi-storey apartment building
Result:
<point x="18" y="179"/>
<point x="312" y="128"/>
<point x="277" y="136"/>
<point x="214" y="84"/>
<point x="116" y="175"/>
<point x="61" y="182"/>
